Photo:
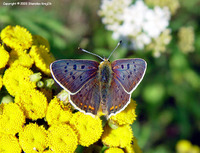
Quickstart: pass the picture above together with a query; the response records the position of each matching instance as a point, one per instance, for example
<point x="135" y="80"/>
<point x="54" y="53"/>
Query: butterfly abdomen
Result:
<point x="105" y="77"/>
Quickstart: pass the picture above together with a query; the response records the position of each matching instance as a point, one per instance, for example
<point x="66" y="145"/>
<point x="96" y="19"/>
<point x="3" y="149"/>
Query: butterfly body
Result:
<point x="95" y="87"/>
<point x="105" y="75"/>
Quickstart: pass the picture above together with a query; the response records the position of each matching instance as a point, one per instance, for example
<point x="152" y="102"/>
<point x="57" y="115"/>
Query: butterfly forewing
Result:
<point x="129" y="72"/>
<point x="88" y="98"/>
<point x="73" y="74"/>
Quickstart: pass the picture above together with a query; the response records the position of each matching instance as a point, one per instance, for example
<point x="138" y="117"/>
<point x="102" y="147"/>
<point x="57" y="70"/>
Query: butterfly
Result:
<point x="104" y="86"/>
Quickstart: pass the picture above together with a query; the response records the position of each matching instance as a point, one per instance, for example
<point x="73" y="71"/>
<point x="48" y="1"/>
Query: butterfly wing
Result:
<point x="87" y="100"/>
<point x="72" y="74"/>
<point x="118" y="99"/>
<point x="129" y="72"/>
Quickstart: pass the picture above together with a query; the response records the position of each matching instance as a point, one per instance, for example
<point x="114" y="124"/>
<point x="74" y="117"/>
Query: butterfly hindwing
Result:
<point x="88" y="98"/>
<point x="129" y="72"/>
<point x="73" y="74"/>
<point x="118" y="99"/>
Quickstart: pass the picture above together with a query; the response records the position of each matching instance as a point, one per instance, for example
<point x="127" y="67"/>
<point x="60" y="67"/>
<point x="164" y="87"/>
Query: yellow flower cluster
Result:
<point x="32" y="119"/>
<point x="186" y="44"/>
<point x="62" y="138"/>
<point x="42" y="58"/>
<point x="16" y="37"/>
<point x="17" y="78"/>
<point x="89" y="129"/>
<point x="118" y="133"/>
<point x="18" y="41"/>
<point x="12" y="118"/>
<point x="185" y="146"/>
<point x="57" y="112"/>
<point x="33" y="138"/>
<point x="9" y="143"/>
<point x="127" y="116"/>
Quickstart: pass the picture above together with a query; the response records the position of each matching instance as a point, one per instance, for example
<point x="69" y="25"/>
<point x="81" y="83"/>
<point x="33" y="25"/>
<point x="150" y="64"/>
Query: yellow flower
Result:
<point x="39" y="40"/>
<point x="20" y="57"/>
<point x="33" y="138"/>
<point x="57" y="112"/>
<point x="173" y="5"/>
<point x="42" y="57"/>
<point x="114" y="150"/>
<point x="4" y="56"/>
<point x="33" y="103"/>
<point x="183" y="146"/>
<point x="62" y="138"/>
<point x="195" y="149"/>
<point x="120" y="137"/>
<point x="17" y="78"/>
<point x="16" y="37"/>
<point x="133" y="147"/>
<point x="1" y="82"/>
<point x="89" y="128"/>
<point x="9" y="144"/>
<point x="12" y="119"/>
<point x="186" y="44"/>
<point x="127" y="116"/>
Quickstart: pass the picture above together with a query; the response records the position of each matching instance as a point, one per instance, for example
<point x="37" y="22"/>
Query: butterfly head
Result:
<point x="105" y="62"/>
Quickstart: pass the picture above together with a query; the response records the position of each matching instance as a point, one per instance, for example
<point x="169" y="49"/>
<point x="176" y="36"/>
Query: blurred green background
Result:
<point x="168" y="98"/>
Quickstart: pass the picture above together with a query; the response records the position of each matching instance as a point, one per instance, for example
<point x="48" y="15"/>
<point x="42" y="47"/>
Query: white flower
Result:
<point x="112" y="11"/>
<point x="157" y="21"/>
<point x="134" y="22"/>
<point x="141" y="40"/>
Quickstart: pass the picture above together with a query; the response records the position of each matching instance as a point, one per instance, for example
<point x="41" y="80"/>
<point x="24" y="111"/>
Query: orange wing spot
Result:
<point x="120" y="105"/>
<point x="116" y="107"/>
<point x="85" y="106"/>
<point x="111" y="108"/>
<point x="81" y="104"/>
<point x="90" y="107"/>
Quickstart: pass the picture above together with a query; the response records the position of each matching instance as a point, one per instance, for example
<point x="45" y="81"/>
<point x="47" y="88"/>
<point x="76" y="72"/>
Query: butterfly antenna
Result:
<point x="90" y="53"/>
<point x="119" y="43"/>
